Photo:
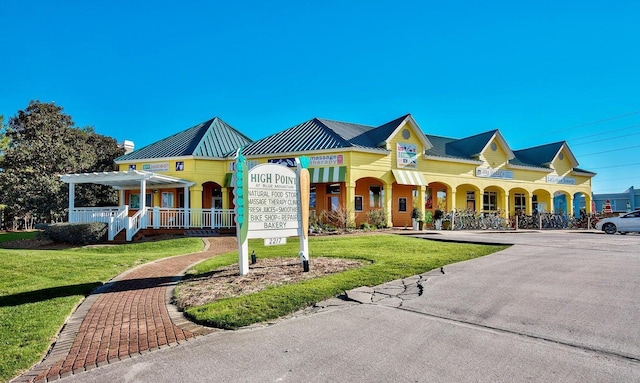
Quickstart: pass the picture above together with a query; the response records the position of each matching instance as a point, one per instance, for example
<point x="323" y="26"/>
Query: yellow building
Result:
<point x="356" y="171"/>
<point x="396" y="167"/>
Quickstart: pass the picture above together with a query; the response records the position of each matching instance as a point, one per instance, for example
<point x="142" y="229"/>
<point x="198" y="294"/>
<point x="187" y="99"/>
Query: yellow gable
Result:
<point x="406" y="146"/>
<point x="494" y="154"/>
<point x="562" y="162"/>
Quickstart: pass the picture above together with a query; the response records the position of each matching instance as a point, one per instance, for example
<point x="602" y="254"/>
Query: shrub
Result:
<point x="428" y="217"/>
<point x="377" y="218"/>
<point x="76" y="233"/>
<point x="41" y="226"/>
<point x="340" y="218"/>
<point x="366" y="226"/>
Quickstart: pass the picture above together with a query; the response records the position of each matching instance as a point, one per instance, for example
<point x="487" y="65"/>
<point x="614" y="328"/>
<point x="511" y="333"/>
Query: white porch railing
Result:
<point x="157" y="218"/>
<point x="216" y="218"/>
<point x="93" y="214"/>
<point x="118" y="223"/>
<point x="170" y="218"/>
<point x="136" y="222"/>
<point x="115" y="217"/>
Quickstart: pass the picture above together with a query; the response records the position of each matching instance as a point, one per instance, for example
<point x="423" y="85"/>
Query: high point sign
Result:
<point x="271" y="202"/>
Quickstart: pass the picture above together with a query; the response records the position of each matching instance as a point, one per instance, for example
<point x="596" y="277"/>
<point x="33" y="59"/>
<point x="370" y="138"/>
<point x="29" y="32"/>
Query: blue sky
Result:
<point x="540" y="72"/>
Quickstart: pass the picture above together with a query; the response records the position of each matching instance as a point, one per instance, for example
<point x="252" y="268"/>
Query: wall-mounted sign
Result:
<point x="406" y="155"/>
<point x="494" y="173"/>
<point x="288" y="162"/>
<point x="159" y="167"/>
<point x="329" y="159"/>
<point x="561" y="180"/>
<point x="250" y="165"/>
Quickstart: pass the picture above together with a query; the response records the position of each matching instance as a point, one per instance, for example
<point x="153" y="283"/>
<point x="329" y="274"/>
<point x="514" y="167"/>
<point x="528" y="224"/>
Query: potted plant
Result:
<point x="437" y="218"/>
<point x="415" y="216"/>
<point x="428" y="218"/>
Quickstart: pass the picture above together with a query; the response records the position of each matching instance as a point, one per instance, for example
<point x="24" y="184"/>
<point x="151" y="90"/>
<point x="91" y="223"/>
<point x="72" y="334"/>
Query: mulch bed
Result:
<point x="226" y="281"/>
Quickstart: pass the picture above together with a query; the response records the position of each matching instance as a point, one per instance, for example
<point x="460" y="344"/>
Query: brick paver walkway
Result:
<point x="126" y="317"/>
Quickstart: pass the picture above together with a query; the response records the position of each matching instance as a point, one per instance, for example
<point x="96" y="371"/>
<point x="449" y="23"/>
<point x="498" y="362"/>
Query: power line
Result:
<point x="603" y="133"/>
<point x="615" y="166"/>
<point x="606" y="139"/>
<point x="604" y="120"/>
<point x="611" y="179"/>
<point x="592" y="122"/>
<point x="609" y="151"/>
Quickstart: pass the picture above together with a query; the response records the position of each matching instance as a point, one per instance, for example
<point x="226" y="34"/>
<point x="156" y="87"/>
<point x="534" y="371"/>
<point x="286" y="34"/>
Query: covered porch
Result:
<point x="129" y="219"/>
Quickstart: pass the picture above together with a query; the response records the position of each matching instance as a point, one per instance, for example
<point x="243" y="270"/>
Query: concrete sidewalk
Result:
<point x="126" y="317"/>
<point x="556" y="307"/>
<point x="559" y="306"/>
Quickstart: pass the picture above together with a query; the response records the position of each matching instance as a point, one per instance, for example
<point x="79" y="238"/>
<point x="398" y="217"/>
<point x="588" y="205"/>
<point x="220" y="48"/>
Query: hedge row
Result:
<point x="76" y="233"/>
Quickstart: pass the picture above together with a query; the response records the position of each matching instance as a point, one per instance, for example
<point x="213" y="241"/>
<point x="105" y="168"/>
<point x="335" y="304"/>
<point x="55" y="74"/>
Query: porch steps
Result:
<point x="210" y="232"/>
<point x="201" y="233"/>
<point x="121" y="237"/>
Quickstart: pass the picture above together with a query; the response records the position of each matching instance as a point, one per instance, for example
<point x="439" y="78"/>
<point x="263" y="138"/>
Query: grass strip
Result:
<point x="386" y="258"/>
<point x="17" y="235"/>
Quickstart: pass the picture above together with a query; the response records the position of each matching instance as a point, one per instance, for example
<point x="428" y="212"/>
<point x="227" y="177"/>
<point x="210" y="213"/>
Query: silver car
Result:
<point x="622" y="224"/>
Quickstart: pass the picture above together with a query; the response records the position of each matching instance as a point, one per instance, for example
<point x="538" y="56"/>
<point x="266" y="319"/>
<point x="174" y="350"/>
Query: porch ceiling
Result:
<point x="126" y="180"/>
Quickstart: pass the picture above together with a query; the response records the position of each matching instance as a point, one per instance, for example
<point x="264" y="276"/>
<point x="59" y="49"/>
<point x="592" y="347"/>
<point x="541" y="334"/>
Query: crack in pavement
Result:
<point x="393" y="294"/>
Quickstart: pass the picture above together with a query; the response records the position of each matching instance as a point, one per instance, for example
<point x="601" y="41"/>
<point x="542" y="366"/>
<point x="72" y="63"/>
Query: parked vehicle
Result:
<point x="623" y="224"/>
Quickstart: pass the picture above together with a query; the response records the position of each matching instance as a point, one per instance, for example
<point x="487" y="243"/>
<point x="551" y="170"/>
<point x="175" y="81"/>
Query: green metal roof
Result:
<point x="472" y="146"/>
<point x="317" y="134"/>
<point x="442" y="148"/>
<point x="540" y="155"/>
<point x="216" y="139"/>
<point x="213" y="138"/>
<point x="469" y="148"/>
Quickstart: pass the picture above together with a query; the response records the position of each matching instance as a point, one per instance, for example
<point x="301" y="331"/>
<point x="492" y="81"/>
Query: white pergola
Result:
<point x="129" y="180"/>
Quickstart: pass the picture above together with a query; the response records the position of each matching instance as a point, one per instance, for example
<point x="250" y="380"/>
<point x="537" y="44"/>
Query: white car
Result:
<point x="622" y="224"/>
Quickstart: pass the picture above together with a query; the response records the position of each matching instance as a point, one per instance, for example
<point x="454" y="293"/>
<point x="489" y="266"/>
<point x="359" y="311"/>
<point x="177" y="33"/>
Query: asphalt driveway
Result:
<point x="556" y="307"/>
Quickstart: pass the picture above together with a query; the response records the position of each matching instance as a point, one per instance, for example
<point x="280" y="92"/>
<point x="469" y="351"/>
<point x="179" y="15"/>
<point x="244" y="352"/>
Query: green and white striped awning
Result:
<point x="227" y="179"/>
<point x="328" y="174"/>
<point x="409" y="177"/>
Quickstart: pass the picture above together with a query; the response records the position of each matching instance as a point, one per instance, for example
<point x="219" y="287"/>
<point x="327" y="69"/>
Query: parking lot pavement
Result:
<point x="556" y="307"/>
<point x="568" y="287"/>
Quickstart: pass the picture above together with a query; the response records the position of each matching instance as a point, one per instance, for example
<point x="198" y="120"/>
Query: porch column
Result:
<point x="143" y="201"/>
<point x="453" y="198"/>
<point x="421" y="198"/>
<point x="122" y="201"/>
<point x="225" y="198"/>
<point x="187" y="209"/>
<point x="506" y="205"/>
<point x="388" y="203"/>
<point x="351" y="201"/>
<point x="195" y="198"/>
<point x="570" y="206"/>
<point x="72" y="196"/>
<point x="529" y="205"/>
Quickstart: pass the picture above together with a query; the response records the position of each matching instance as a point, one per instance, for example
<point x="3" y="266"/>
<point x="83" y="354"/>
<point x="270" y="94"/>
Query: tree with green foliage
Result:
<point x="4" y="139"/>
<point x="42" y="142"/>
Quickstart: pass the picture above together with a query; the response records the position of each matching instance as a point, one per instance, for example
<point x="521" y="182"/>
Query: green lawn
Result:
<point x="386" y="258"/>
<point x="16" y="235"/>
<point x="40" y="288"/>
